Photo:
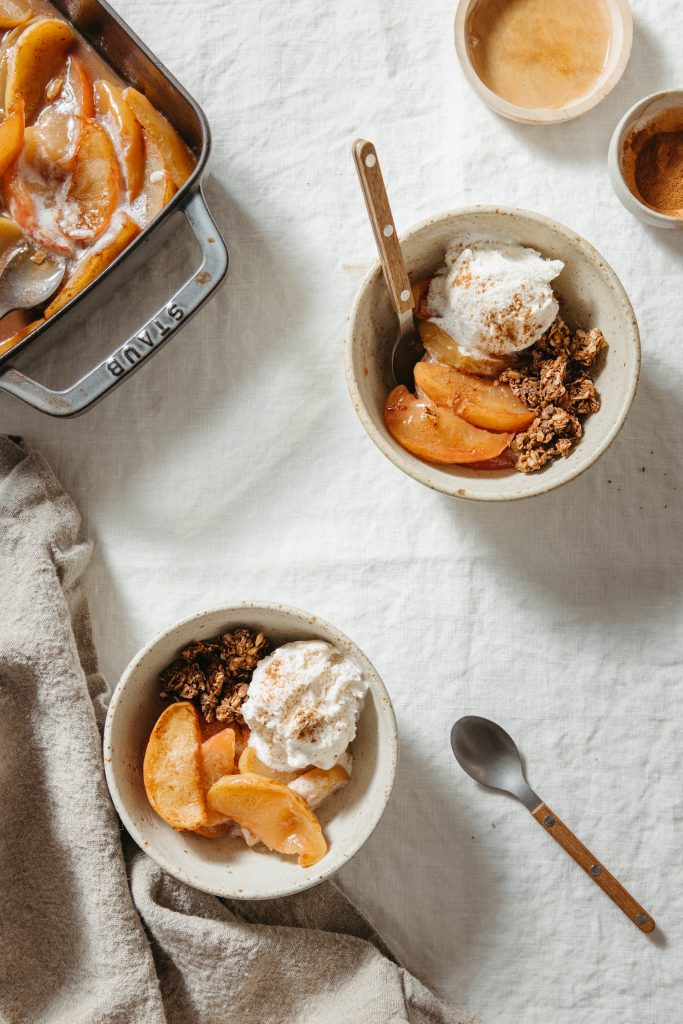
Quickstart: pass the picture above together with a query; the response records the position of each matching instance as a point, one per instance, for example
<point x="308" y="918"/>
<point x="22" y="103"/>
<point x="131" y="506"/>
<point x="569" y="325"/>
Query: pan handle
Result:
<point x="172" y="316"/>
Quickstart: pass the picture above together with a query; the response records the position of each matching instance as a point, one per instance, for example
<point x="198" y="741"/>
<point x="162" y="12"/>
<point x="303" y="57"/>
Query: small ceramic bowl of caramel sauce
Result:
<point x="646" y="159"/>
<point x="543" y="61"/>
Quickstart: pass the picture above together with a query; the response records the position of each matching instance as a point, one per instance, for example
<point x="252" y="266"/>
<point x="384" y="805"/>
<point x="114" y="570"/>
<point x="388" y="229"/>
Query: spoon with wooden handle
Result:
<point x="408" y="348"/>
<point x="490" y="756"/>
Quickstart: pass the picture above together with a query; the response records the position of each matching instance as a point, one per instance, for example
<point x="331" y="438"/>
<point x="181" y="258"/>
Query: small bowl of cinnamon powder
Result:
<point x="646" y="159"/>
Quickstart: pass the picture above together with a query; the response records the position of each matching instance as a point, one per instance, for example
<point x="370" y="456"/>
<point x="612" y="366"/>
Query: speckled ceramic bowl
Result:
<point x="661" y="109"/>
<point x="590" y="295"/>
<point x="226" y="866"/>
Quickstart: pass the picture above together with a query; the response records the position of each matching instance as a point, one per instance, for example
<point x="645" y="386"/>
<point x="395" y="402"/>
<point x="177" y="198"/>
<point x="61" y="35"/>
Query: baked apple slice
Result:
<point x="27" y="199"/>
<point x="95" y="186"/>
<point x="125" y="132"/>
<point x="214" y="831"/>
<point x="437" y="434"/>
<point x="317" y="784"/>
<point x="445" y="349"/>
<point x="420" y="290"/>
<point x="52" y="142"/>
<point x="158" y="187"/>
<point x="172" y="772"/>
<point x="250" y="764"/>
<point x="38" y="55"/>
<point x="11" y="136"/>
<point x="13" y="13"/>
<point x="93" y="263"/>
<point x="481" y="402"/>
<point x="218" y="756"/>
<point x="177" y="156"/>
<point x="275" y="814"/>
<point x="12" y="239"/>
<point x="218" y="759"/>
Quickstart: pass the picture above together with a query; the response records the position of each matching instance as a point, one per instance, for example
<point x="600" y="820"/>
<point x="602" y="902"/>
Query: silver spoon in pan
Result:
<point x="25" y="283"/>
<point x="485" y="751"/>
<point x="408" y="348"/>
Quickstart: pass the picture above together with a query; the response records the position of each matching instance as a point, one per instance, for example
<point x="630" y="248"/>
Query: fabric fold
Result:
<point x="91" y="930"/>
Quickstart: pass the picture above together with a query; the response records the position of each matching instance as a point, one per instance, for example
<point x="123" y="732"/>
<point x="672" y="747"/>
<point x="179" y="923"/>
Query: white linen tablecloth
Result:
<point x="232" y="467"/>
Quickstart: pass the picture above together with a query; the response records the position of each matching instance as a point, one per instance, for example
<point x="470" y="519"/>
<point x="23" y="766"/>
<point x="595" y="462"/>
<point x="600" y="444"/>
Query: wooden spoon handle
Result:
<point x="598" y="872"/>
<point x="379" y="211"/>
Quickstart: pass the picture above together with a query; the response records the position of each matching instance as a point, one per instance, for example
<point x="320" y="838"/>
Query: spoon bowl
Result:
<point x="27" y="282"/>
<point x="490" y="756"/>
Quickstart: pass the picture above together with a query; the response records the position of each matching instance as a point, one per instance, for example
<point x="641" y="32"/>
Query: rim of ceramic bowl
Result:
<point x="545" y="115"/>
<point x="386" y="714"/>
<point x="629" y="199"/>
<point x="421" y="471"/>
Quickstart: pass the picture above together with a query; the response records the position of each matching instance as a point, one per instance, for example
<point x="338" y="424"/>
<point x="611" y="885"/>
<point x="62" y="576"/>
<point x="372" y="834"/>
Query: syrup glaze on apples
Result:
<point x="86" y="162"/>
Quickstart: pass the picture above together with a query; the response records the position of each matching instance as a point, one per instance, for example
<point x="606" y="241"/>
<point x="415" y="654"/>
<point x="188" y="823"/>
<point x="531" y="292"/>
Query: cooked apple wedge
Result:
<point x="218" y="756"/>
<point x="275" y="814"/>
<point x="317" y="784"/>
<point x="92" y="265"/>
<point x="481" y="402"/>
<point x="172" y="772"/>
<point x="94" y="190"/>
<point x="13" y="13"/>
<point x="6" y="44"/>
<point x="125" y="132"/>
<point x="26" y="195"/>
<point x="52" y="142"/>
<point x="11" y="136"/>
<point x="437" y="434"/>
<point x="177" y="156"/>
<point x="38" y="55"/>
<point x="445" y="349"/>
<point x="11" y="236"/>
<point x="250" y="764"/>
<point x="420" y="290"/>
<point x="157" y="187"/>
<point x="214" y="831"/>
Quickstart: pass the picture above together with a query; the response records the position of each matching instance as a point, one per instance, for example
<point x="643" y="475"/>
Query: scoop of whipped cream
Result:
<point x="494" y="300"/>
<point x="303" y="704"/>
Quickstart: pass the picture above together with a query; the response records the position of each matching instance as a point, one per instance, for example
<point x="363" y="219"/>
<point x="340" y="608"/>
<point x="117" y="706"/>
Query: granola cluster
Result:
<point x="215" y="674"/>
<point x="554" y="382"/>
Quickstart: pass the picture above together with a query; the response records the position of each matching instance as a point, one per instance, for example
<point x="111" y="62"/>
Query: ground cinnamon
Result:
<point x="659" y="171"/>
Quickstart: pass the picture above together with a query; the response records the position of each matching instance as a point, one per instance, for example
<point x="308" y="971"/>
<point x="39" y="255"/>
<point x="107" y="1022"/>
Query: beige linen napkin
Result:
<point x="94" y="932"/>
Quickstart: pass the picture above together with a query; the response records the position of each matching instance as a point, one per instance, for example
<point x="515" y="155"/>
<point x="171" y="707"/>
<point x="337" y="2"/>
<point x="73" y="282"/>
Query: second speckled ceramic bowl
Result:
<point x="226" y="866"/>
<point x="621" y="157"/>
<point x="621" y="41"/>
<point x="590" y="295"/>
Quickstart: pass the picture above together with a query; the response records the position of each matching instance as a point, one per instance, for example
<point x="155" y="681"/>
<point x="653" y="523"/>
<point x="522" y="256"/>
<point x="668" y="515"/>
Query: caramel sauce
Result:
<point x="539" y="53"/>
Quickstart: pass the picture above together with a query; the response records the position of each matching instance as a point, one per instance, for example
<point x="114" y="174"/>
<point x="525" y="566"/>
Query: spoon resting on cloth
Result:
<point x="486" y="752"/>
<point x="408" y="348"/>
<point x="25" y="282"/>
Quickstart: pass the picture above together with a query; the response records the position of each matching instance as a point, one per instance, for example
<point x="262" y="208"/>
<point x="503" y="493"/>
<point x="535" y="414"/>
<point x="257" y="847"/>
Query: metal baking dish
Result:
<point x="131" y="60"/>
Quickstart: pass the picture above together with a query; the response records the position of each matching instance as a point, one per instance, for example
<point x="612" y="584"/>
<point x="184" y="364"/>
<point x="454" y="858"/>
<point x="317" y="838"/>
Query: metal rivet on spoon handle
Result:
<point x="598" y="872"/>
<point x="382" y="221"/>
<point x="408" y="349"/>
<point x="489" y="755"/>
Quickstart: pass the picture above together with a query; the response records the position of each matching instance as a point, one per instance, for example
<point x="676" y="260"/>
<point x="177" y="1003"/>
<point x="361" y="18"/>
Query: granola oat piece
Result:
<point x="215" y="674"/>
<point x="587" y="346"/>
<point x="241" y="651"/>
<point x="583" y="396"/>
<point x="230" y="708"/>
<point x="553" y="381"/>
